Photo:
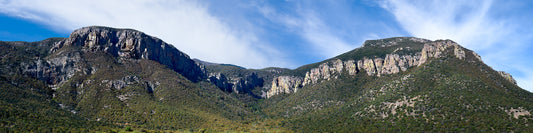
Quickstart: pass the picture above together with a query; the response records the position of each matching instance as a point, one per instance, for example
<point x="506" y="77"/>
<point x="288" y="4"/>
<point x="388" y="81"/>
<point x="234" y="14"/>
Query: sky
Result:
<point x="290" y="33"/>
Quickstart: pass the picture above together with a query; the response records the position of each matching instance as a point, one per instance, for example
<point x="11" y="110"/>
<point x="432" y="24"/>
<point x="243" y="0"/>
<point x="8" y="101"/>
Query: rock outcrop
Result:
<point x="132" y="44"/>
<point x="57" y="69"/>
<point x="235" y="84"/>
<point x="438" y="48"/>
<point x="221" y="81"/>
<point x="507" y="76"/>
<point x="391" y="64"/>
<point x="395" y="63"/>
<point x="120" y="84"/>
<point x="285" y="84"/>
<point x="65" y="58"/>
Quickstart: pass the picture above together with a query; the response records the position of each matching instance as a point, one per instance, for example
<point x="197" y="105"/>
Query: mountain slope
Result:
<point x="26" y="103"/>
<point x="103" y="79"/>
<point x="122" y="77"/>
<point x="442" y="87"/>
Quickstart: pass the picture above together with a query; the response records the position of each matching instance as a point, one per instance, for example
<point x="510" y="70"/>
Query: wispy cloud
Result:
<point x="307" y="24"/>
<point x="330" y="28"/>
<point x="466" y="22"/>
<point x="186" y="24"/>
<point x="471" y="24"/>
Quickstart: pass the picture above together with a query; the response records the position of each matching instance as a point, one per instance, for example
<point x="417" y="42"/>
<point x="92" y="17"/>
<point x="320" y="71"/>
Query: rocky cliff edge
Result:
<point x="126" y="44"/>
<point x="375" y="66"/>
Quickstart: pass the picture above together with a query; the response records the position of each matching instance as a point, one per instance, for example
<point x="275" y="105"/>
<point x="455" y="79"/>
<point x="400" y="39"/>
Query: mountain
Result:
<point x="116" y="77"/>
<point x="108" y="79"/>
<point x="404" y="85"/>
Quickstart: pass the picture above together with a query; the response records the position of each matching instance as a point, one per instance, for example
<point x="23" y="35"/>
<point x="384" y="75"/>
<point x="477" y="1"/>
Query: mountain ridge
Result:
<point x="111" y="78"/>
<point x="128" y="43"/>
<point x="399" y="59"/>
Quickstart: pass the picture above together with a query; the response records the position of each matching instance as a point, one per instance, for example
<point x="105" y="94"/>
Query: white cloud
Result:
<point x="319" y="35"/>
<point x="470" y="24"/>
<point x="466" y="22"/>
<point x="310" y="27"/>
<point x="185" y="24"/>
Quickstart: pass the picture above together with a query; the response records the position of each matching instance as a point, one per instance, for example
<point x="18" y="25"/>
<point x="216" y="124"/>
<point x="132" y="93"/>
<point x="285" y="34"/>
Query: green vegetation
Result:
<point x="371" y="49"/>
<point x="444" y="95"/>
<point x="125" y="95"/>
<point x="26" y="103"/>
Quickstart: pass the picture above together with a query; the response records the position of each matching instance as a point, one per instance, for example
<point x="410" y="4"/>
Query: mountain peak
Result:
<point x="99" y="38"/>
<point x="129" y="44"/>
<point x="377" y="58"/>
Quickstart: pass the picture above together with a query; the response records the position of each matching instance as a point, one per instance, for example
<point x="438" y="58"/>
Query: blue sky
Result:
<point x="290" y="33"/>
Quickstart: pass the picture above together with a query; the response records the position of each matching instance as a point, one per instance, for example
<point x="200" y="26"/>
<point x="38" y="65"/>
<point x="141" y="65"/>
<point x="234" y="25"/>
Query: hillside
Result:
<point x="107" y="79"/>
<point x="101" y="75"/>
<point x="452" y="90"/>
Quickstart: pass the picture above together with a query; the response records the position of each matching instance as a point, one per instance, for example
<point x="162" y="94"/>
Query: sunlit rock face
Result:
<point x="391" y="63"/>
<point x="126" y="44"/>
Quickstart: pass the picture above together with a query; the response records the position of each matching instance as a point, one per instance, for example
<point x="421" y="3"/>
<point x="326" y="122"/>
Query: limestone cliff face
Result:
<point x="66" y="55"/>
<point x="438" y="48"/>
<point x="328" y="71"/>
<point x="132" y="44"/>
<point x="394" y="63"/>
<point x="391" y="64"/>
<point x="285" y="84"/>
<point x="507" y="76"/>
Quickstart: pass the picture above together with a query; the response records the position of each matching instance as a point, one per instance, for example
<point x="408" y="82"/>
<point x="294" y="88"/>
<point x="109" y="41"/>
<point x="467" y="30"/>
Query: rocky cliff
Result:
<point x="285" y="84"/>
<point x="237" y="84"/>
<point x="132" y="44"/>
<point x="392" y="63"/>
<point x="126" y="44"/>
<point x="507" y="76"/>
<point x="232" y="78"/>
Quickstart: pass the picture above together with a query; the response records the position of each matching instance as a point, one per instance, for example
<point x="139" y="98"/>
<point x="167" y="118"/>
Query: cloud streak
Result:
<point x="465" y="22"/>
<point x="186" y="24"/>
<point x="311" y="27"/>
<point x="329" y="28"/>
